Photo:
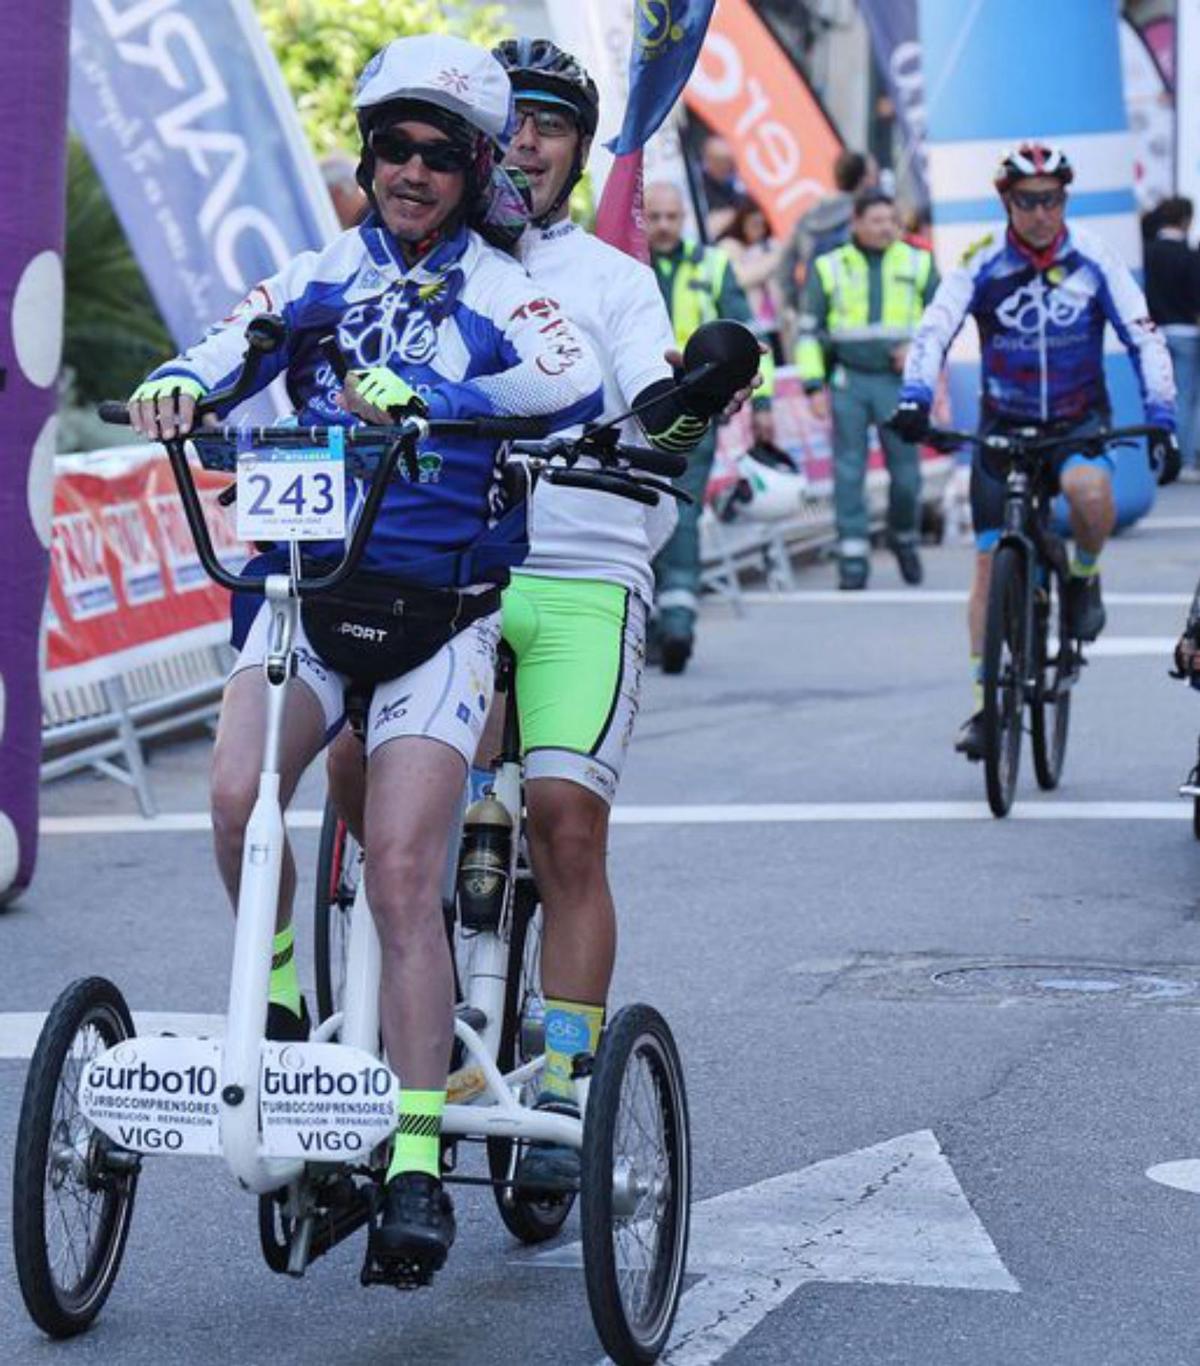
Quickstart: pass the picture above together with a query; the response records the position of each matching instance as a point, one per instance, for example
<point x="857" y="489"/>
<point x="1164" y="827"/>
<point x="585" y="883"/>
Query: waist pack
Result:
<point x="374" y="628"/>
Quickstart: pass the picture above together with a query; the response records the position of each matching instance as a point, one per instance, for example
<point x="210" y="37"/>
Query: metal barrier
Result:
<point x="103" y="725"/>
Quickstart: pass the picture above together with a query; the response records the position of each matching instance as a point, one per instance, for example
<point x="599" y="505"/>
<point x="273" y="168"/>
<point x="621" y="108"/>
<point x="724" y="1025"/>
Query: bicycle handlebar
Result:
<point x="1027" y="441"/>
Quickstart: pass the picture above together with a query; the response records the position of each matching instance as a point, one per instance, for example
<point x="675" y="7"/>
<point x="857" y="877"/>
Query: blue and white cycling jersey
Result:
<point x="466" y="328"/>
<point x="1041" y="325"/>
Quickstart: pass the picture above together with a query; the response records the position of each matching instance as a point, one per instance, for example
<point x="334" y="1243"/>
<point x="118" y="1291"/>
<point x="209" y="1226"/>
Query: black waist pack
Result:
<point x="374" y="628"/>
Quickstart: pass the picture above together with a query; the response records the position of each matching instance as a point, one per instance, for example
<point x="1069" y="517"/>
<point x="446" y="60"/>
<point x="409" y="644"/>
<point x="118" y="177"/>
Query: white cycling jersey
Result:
<point x="615" y="301"/>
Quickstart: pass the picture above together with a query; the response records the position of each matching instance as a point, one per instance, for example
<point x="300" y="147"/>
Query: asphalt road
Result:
<point x="854" y="956"/>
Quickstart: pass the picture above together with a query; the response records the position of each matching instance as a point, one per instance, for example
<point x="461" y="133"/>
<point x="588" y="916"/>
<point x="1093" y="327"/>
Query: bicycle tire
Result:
<point x="1196" y="817"/>
<point x="1050" y="706"/>
<point x="337" y="883"/>
<point x="1004" y="668"/>
<point x="57" y="1149"/>
<point x="529" y="1219"/>
<point x="633" y="1318"/>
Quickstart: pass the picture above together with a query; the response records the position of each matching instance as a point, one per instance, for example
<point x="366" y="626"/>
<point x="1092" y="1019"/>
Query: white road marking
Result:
<point x="929" y="597"/>
<point x="892" y="1214"/>
<point x="1183" y="1175"/>
<point x="1129" y="647"/>
<point x="1169" y="524"/>
<point x="764" y="813"/>
<point x="19" y="1029"/>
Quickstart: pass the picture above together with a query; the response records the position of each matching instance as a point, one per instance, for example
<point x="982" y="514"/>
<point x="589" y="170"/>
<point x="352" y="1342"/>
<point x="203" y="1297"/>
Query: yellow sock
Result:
<point x="284" y="988"/>
<point x="417" y="1146"/>
<point x="977" y="680"/>
<point x="572" y="1027"/>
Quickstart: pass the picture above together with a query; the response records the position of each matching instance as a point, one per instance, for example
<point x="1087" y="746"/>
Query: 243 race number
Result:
<point x="292" y="494"/>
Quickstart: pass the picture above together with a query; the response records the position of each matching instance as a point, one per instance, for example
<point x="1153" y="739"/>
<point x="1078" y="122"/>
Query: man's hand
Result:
<point x="1165" y="458"/>
<point x="379" y="395"/>
<point x="910" y="421"/>
<point x="1187" y="655"/>
<point x="899" y="356"/>
<point x="675" y="360"/>
<point x="818" y="404"/>
<point x="164" y="408"/>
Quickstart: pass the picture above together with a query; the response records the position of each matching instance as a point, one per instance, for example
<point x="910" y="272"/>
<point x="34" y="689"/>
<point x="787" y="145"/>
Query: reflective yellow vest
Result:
<point x="844" y="276"/>
<point x="696" y="289"/>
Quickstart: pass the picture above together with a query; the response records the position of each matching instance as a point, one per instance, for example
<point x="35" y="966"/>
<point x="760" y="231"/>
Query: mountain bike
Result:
<point x="307" y="1126"/>
<point x="1032" y="659"/>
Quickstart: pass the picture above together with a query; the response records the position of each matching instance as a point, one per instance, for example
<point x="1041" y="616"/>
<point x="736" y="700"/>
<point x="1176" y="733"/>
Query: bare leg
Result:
<point x="977" y="600"/>
<point x="346" y="774"/>
<point x="1088" y="489"/>
<point x="237" y="764"/>
<point x="412" y="797"/>
<point x="568" y="843"/>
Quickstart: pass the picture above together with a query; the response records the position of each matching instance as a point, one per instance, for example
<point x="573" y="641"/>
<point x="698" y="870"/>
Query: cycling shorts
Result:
<point x="580" y="646"/>
<point x="987" y="480"/>
<point x="446" y="698"/>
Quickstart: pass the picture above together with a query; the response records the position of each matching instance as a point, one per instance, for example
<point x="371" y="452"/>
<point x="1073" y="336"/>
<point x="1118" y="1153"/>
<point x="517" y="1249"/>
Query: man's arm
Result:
<point x="937" y="329"/>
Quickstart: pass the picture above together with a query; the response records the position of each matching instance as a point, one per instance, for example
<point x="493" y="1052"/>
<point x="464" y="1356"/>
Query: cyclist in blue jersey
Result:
<point x="433" y="319"/>
<point x="1041" y="294"/>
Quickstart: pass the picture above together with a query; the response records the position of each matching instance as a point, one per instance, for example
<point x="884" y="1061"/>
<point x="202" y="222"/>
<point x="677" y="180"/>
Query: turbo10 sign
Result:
<point x="747" y="91"/>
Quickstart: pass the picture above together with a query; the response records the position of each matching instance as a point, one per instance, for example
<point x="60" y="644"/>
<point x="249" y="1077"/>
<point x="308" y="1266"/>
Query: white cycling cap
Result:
<point x="439" y="69"/>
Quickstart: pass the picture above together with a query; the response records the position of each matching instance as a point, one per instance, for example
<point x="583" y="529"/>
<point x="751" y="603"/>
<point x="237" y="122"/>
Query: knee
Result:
<point x="404" y="892"/>
<point x="233" y="791"/>
<point x="569" y="839"/>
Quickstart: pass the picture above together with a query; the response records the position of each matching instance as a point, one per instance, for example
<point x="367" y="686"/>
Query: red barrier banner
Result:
<point x="746" y="89"/>
<point x="126" y="584"/>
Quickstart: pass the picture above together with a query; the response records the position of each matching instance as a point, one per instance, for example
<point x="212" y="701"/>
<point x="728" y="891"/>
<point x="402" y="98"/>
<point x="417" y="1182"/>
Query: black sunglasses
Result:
<point x="550" y="123"/>
<point x="437" y="156"/>
<point x="1028" y="200"/>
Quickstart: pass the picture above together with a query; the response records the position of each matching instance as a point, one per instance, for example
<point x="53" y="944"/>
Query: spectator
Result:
<point x="756" y="255"/>
<point x="1173" y="297"/>
<point x="918" y="228"/>
<point x="825" y="226"/>
<point x="723" y="188"/>
<point x="339" y="171"/>
<point x="862" y="303"/>
<point x="698" y="284"/>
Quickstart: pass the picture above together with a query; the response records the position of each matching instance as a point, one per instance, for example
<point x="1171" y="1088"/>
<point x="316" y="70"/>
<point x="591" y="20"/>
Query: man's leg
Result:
<point x="236" y="767"/>
<point x="1185" y="363"/>
<point x="987" y="515"/>
<point x="851" y="417"/>
<point x="1087" y="486"/>
<point x="904" y="479"/>
<point x="346" y="777"/>
<point x="677" y="565"/>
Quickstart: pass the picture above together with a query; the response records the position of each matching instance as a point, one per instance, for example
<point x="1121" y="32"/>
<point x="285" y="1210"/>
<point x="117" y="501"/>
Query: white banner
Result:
<point x="1187" y="99"/>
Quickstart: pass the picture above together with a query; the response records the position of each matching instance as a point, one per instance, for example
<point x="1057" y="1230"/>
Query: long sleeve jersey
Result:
<point x="1041" y="328"/>
<point x="465" y="327"/>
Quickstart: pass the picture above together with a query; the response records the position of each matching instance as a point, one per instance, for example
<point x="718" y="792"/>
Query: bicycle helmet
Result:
<point x="1031" y="159"/>
<point x="540" y="70"/>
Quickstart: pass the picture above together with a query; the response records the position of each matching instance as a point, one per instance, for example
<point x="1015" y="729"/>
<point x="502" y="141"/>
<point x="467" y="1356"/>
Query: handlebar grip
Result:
<point x="603" y="483"/>
<point x="114" y="412"/>
<point x="670" y="464"/>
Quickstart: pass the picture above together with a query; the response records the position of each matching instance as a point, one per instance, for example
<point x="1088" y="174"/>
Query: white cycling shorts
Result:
<point x="446" y="698"/>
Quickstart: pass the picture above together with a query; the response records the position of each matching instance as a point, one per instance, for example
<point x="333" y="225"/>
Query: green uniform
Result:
<point x="698" y="285"/>
<point x="858" y="307"/>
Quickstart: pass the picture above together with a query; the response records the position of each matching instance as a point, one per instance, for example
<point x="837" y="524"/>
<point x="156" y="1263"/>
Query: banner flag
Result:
<point x="666" y="42"/>
<point x="746" y="89"/>
<point x="892" y="25"/>
<point x="186" y="118"/>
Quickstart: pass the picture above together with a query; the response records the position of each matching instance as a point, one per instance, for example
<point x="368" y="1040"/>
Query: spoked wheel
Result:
<point x="636" y="1185"/>
<point x="1050" y="707"/>
<point x="1004" y="670"/>
<point x="73" y="1189"/>
<point x="339" y="868"/>
<point x="531" y="1219"/>
<point x="274" y="1232"/>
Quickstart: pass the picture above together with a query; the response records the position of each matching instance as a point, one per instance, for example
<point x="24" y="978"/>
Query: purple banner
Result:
<point x="33" y="114"/>
<point x="893" y="28"/>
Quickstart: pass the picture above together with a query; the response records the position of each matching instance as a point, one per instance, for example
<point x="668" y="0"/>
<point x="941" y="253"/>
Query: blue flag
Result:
<point x="667" y="35"/>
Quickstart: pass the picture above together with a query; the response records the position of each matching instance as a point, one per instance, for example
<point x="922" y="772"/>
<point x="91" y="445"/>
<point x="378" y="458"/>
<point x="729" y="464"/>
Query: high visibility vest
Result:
<point x="844" y="277"/>
<point x="696" y="289"/>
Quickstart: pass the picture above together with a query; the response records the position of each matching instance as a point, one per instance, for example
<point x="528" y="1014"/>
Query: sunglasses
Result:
<point x="549" y="123"/>
<point x="1028" y="200"/>
<point x="398" y="150"/>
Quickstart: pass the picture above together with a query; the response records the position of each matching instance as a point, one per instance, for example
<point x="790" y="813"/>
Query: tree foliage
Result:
<point x="322" y="45"/>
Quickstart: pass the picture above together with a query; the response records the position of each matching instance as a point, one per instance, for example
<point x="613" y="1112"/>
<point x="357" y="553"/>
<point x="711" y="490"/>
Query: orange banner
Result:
<point x="748" y="92"/>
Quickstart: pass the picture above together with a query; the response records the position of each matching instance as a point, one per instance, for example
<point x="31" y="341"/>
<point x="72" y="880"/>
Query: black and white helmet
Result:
<point x="538" y="66"/>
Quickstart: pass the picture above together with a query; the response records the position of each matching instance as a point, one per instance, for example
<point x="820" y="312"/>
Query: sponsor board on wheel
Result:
<point x="324" y="1101"/>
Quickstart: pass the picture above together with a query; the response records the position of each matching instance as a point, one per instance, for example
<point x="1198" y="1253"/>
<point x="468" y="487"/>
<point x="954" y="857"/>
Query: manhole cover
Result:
<point x="1054" y="981"/>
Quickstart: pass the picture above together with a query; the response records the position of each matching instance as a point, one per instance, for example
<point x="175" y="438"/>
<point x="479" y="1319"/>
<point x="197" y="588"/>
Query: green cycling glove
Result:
<point x="384" y="389"/>
<point x="168" y="387"/>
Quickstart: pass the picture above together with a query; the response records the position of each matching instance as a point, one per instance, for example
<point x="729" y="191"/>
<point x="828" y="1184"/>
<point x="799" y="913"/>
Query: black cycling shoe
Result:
<point x="416" y="1228"/>
<point x="970" y="740"/>
<point x="853" y="573"/>
<point x="285" y="1027"/>
<point x="1085" y="606"/>
<point x="675" y="651"/>
<point x="912" y="571"/>
<point x="550" y="1167"/>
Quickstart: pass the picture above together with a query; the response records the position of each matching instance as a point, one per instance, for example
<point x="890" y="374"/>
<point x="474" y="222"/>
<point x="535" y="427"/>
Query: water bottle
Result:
<point x="533" y="1027"/>
<point x="483" y="864"/>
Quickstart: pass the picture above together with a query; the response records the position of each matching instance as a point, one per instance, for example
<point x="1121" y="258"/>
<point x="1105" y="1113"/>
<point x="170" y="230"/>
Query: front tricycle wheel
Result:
<point x="636" y="1185"/>
<point x="73" y="1189"/>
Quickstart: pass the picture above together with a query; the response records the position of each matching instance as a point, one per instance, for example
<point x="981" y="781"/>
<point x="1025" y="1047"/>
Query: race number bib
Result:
<point x="293" y="494"/>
